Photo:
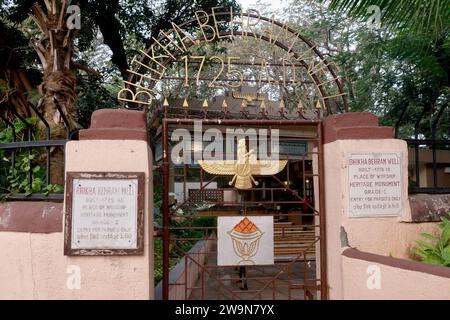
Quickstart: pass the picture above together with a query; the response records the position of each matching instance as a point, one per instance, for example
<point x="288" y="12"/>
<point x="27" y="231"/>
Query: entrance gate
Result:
<point x="292" y="197"/>
<point x="292" y="86"/>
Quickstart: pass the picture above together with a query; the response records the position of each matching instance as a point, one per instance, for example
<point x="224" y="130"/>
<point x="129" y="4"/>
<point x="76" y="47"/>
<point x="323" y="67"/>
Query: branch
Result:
<point x="38" y="23"/>
<point x="40" y="55"/>
<point x="48" y="5"/>
<point x="75" y="65"/>
<point x="41" y="17"/>
<point x="62" y="13"/>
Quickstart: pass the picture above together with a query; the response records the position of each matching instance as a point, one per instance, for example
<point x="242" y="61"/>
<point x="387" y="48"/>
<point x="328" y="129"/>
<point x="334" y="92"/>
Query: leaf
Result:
<point x="422" y="253"/>
<point x="446" y="236"/>
<point x="58" y="188"/>
<point x="446" y="254"/>
<point x="429" y="236"/>
<point x="426" y="245"/>
<point x="433" y="259"/>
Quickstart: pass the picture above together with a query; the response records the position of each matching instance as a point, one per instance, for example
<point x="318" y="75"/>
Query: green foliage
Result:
<point x="158" y="255"/>
<point x="191" y="227"/>
<point x="93" y="94"/>
<point x="16" y="180"/>
<point x="388" y="72"/>
<point x="436" y="249"/>
<point x="430" y="16"/>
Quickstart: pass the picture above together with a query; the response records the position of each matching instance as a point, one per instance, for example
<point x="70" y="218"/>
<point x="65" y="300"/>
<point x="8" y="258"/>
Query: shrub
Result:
<point x="436" y="249"/>
<point x="28" y="163"/>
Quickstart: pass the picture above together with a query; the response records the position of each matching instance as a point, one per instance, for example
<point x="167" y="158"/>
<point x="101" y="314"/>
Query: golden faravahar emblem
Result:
<point x="244" y="168"/>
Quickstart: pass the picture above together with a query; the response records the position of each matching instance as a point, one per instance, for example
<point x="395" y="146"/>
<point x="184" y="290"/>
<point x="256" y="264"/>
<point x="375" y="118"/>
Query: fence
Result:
<point x="430" y="169"/>
<point x="429" y="158"/>
<point x="26" y="151"/>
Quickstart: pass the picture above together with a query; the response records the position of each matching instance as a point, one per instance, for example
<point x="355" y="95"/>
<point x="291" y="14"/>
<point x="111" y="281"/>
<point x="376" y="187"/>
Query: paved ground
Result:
<point x="264" y="282"/>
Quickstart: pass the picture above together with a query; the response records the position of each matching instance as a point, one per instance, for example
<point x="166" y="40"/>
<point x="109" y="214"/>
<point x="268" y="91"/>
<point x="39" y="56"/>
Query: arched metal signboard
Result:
<point x="299" y="61"/>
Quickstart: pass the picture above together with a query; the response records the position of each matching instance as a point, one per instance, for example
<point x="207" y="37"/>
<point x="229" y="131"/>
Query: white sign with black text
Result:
<point x="374" y="184"/>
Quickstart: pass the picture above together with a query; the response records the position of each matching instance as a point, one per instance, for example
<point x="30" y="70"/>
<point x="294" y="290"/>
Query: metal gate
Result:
<point x="193" y="199"/>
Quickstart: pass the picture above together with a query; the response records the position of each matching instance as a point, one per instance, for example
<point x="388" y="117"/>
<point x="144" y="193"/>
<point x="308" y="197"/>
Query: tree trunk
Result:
<point x="58" y="87"/>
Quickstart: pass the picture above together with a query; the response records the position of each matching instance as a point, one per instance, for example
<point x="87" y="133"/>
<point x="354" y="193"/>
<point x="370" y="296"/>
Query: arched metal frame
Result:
<point x="297" y="56"/>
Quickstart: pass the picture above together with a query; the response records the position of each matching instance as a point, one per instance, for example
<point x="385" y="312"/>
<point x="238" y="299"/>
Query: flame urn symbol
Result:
<point x="245" y="236"/>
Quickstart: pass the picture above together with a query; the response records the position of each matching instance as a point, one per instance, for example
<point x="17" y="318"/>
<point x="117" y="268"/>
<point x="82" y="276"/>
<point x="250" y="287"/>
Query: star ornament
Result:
<point x="244" y="168"/>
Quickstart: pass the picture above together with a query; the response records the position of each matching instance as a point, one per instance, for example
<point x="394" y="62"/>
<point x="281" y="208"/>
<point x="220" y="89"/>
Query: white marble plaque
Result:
<point x="374" y="184"/>
<point x="245" y="240"/>
<point x="104" y="214"/>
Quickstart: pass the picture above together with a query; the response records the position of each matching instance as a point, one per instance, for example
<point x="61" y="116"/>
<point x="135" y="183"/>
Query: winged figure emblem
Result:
<point x="244" y="167"/>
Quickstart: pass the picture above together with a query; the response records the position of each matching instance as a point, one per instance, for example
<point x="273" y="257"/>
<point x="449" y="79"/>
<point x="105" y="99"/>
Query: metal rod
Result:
<point x="249" y="122"/>
<point x="433" y="136"/>
<point x="272" y="81"/>
<point x="416" y="149"/>
<point x="322" y="222"/>
<point x="29" y="137"/>
<point x="13" y="153"/>
<point x="165" y="211"/>
<point x="48" y="136"/>
<point x="242" y="63"/>
<point x="427" y="142"/>
<point x="63" y="116"/>
<point x="32" y="144"/>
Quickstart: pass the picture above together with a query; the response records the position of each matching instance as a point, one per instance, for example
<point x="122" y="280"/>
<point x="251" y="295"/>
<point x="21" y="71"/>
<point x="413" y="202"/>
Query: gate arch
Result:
<point x="149" y="67"/>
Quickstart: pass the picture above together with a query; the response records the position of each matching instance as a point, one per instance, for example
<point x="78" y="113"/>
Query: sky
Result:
<point x="274" y="4"/>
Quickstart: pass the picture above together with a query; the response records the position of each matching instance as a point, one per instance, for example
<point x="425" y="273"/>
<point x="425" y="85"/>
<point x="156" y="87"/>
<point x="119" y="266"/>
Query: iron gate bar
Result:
<point x="202" y="187"/>
<point x="166" y="122"/>
<point x="322" y="228"/>
<point x="289" y="264"/>
<point x="32" y="144"/>
<point x="29" y="137"/>
<point x="433" y="136"/>
<point x="209" y="273"/>
<point x="192" y="79"/>
<point x="302" y="200"/>
<point x="48" y="136"/>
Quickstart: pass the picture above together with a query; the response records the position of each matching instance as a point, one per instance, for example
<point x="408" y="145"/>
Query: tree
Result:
<point x="54" y="46"/>
<point x="125" y="26"/>
<point x="410" y="59"/>
<point x="418" y="16"/>
<point x="58" y="58"/>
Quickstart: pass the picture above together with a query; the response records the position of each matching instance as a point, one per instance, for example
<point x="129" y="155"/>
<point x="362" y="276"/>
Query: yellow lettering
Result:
<point x="179" y="32"/>
<point x="249" y="26"/>
<point x="167" y="46"/>
<point x="264" y="69"/>
<point x="204" y="25"/>
<point x="285" y="72"/>
<point x="216" y="23"/>
<point x="148" y="67"/>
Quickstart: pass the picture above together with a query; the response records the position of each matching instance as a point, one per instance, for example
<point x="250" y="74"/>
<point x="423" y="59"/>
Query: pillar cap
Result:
<point x="116" y="124"/>
<point x="354" y="125"/>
